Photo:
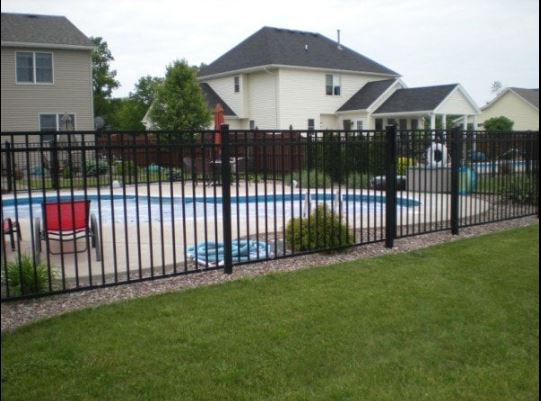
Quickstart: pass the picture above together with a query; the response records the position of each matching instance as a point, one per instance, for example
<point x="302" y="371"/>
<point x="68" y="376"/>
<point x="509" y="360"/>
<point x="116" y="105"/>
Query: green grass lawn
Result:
<point x="453" y="322"/>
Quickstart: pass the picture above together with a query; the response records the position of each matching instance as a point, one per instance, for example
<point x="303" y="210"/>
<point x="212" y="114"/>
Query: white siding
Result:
<point x="225" y="88"/>
<point x="456" y="104"/>
<point x="262" y="92"/>
<point x="71" y="91"/>
<point x="511" y="106"/>
<point x="302" y="96"/>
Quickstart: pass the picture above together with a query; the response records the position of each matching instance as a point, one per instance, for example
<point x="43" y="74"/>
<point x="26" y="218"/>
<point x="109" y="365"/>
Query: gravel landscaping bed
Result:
<point x="18" y="313"/>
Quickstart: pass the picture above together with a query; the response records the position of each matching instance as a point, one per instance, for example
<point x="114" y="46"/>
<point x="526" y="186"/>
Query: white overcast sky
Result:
<point x="473" y="42"/>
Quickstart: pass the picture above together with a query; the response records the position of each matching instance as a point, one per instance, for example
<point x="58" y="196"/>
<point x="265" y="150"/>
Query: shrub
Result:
<point x="93" y="169"/>
<point x="311" y="179"/>
<point x="358" y="180"/>
<point x="174" y="174"/>
<point x="22" y="279"/>
<point x="402" y="165"/>
<point x="125" y="168"/>
<point x="322" y="230"/>
<point x="522" y="190"/>
<point x="498" y="124"/>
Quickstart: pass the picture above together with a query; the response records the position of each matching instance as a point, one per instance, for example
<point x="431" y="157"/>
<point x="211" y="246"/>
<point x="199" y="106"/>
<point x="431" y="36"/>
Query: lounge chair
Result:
<point x="10" y="228"/>
<point x="67" y="222"/>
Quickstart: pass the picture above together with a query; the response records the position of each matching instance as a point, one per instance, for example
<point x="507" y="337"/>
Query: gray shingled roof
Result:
<point x="41" y="29"/>
<point x="416" y="99"/>
<point x="530" y="95"/>
<point x="212" y="98"/>
<point x="286" y="47"/>
<point x="367" y="95"/>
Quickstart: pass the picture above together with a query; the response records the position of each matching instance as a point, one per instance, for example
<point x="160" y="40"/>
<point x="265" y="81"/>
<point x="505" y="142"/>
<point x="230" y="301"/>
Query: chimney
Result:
<point x="338" y="40"/>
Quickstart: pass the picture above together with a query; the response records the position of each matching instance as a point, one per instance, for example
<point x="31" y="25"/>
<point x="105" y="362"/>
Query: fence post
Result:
<point x="226" y="199"/>
<point x="55" y="168"/>
<point x="456" y="147"/>
<point x="9" y="167"/>
<point x="390" y="186"/>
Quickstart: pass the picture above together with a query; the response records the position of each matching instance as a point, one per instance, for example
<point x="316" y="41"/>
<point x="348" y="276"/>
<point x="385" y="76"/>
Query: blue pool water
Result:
<point x="122" y="209"/>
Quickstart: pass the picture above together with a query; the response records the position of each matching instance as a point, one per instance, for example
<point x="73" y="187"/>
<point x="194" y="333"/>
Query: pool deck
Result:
<point x="146" y="249"/>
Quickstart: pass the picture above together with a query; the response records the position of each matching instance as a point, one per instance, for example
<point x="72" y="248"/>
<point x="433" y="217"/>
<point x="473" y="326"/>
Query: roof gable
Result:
<point x="276" y="46"/>
<point x="529" y="95"/>
<point x="367" y="95"/>
<point x="212" y="98"/>
<point x="41" y="29"/>
<point x="416" y="99"/>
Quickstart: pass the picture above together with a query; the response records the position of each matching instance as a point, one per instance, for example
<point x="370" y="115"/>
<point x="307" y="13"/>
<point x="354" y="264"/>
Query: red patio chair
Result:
<point x="67" y="222"/>
<point x="11" y="228"/>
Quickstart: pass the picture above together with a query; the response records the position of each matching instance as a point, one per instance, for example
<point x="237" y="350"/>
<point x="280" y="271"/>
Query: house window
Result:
<point x="34" y="67"/>
<point x="379" y="124"/>
<point x="236" y="81"/>
<point x="47" y="122"/>
<point x="332" y="85"/>
<point x="311" y="124"/>
<point x="403" y="124"/>
<point x="44" y="67"/>
<point x="25" y="67"/>
<point x="347" y="125"/>
<point x="252" y="124"/>
<point x="414" y="124"/>
<point x="359" y="125"/>
<point x="57" y="122"/>
<point x="391" y="121"/>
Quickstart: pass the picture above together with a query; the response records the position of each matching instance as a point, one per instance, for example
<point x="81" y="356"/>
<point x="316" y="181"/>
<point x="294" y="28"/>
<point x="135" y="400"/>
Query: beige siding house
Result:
<point x="518" y="104"/>
<point x="280" y="78"/>
<point x="46" y="74"/>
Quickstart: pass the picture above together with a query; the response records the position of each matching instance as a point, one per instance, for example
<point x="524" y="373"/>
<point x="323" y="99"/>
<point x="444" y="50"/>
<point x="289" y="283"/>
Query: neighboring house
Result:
<point x="46" y="74"/>
<point x="518" y="104"/>
<point x="280" y="78"/>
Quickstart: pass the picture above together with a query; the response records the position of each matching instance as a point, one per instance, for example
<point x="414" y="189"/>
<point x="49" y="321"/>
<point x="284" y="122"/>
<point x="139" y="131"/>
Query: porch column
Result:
<point x="475" y="128"/>
<point x="444" y="122"/>
<point x="433" y="125"/>
<point x="465" y="122"/>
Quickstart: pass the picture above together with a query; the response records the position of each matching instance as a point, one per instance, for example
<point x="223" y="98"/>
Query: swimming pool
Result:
<point x="131" y="208"/>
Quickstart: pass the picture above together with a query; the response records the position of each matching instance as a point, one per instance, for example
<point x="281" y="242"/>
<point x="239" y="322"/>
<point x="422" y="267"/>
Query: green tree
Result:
<point x="126" y="115"/>
<point x="179" y="102"/>
<point x="146" y="89"/>
<point x="103" y="78"/>
<point x="498" y="124"/>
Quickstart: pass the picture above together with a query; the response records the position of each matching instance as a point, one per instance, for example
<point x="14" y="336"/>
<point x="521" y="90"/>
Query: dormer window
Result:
<point x="332" y="85"/>
<point x="236" y="84"/>
<point x="34" y="67"/>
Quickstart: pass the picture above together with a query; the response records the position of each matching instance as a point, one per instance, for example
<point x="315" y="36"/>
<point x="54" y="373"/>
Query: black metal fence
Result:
<point x="91" y="209"/>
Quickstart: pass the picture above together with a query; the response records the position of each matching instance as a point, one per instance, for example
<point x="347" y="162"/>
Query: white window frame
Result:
<point x="34" y="81"/>
<point x="236" y="84"/>
<point x="336" y="81"/>
<point x="57" y="120"/>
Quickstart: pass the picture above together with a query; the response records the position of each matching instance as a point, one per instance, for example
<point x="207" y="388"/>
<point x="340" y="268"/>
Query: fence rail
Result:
<point x="91" y="209"/>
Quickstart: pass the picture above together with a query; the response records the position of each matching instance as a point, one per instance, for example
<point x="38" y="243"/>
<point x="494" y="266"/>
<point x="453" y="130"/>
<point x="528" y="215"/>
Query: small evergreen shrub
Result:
<point x="126" y="168"/>
<point x="311" y="179"/>
<point x="22" y="279"/>
<point x="174" y="174"/>
<point x="323" y="230"/>
<point x="93" y="169"/>
<point x="522" y="190"/>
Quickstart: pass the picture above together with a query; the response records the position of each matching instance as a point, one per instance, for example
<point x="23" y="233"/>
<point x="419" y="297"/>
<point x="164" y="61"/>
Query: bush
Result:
<point x="358" y="180"/>
<point x="93" y="169"/>
<point x="311" y="179"/>
<point x="522" y="190"/>
<point x="22" y="279"/>
<point x="402" y="165"/>
<point x="174" y="174"/>
<point x="322" y="230"/>
<point x="125" y="168"/>
<point x="498" y="124"/>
